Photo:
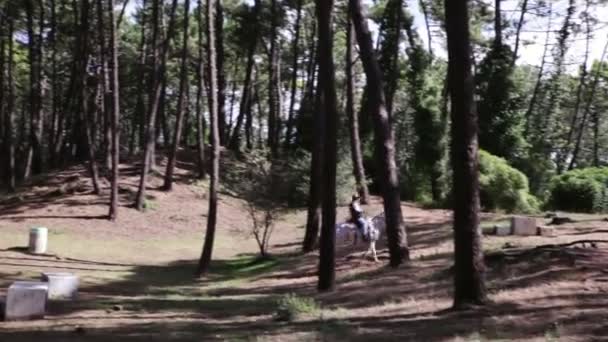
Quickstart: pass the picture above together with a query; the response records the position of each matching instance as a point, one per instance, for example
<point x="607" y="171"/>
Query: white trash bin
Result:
<point x="38" y="240"/>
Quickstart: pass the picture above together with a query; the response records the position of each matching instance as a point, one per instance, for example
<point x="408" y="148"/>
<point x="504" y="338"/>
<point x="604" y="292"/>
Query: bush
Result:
<point x="291" y="307"/>
<point x="580" y="190"/>
<point x="503" y="187"/>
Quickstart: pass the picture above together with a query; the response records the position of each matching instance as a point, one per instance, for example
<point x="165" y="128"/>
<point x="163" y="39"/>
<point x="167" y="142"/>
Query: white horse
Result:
<point x="375" y="225"/>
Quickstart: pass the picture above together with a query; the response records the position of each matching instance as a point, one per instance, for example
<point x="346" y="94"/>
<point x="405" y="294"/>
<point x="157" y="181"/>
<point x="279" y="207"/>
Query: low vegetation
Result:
<point x="580" y="190"/>
<point x="502" y="187"/>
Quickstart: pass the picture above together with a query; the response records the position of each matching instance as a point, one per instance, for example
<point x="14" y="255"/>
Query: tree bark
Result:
<point x="327" y="273"/>
<point x="520" y="24"/>
<point x="539" y="77"/>
<point x="425" y="12"/>
<point x="200" y="89"/>
<point x="115" y="113"/>
<point x="85" y="116"/>
<point x="308" y="100"/>
<point x="232" y="100"/>
<point x="273" y="82"/>
<point x="385" y="144"/>
<point x="389" y="51"/>
<point x="587" y="109"/>
<point x="562" y="155"/>
<point x="315" y="194"/>
<point x="469" y="286"/>
<point x="181" y="102"/>
<point x="235" y="140"/>
<point x="55" y="84"/>
<point x="205" y="260"/>
<point x="355" y="141"/>
<point x="294" y="76"/>
<point x="221" y="77"/>
<point x="249" y="110"/>
<point x="140" y="106"/>
<point x="9" y="135"/>
<point x="34" y="158"/>
<point x="158" y="81"/>
<point x="106" y="103"/>
<point x="497" y="23"/>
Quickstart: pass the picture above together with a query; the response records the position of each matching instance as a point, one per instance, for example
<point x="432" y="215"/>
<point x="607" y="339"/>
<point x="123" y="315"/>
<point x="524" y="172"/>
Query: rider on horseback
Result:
<point x="357" y="218"/>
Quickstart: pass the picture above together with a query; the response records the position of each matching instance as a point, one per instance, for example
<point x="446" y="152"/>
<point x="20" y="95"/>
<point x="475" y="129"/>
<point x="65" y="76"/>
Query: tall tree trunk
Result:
<point x="355" y="141"/>
<point x="596" y="129"/>
<point x="158" y="81"/>
<point x="315" y="194"/>
<point x="232" y="100"/>
<point x="385" y="144"/>
<point x="221" y="77"/>
<point x="121" y="14"/>
<point x="3" y="38"/>
<point x="205" y="260"/>
<point x="547" y="122"/>
<point x="140" y="106"/>
<point x="106" y="103"/>
<point x="235" y="140"/>
<point x="497" y="23"/>
<point x="64" y="122"/>
<point x="260" y="116"/>
<point x="587" y="109"/>
<point x="539" y="77"/>
<point x="520" y="24"/>
<point x="469" y="286"/>
<point x="327" y="247"/>
<point x="55" y="84"/>
<point x="85" y="116"/>
<point x="563" y="154"/>
<point x="115" y="122"/>
<point x="294" y="76"/>
<point x="249" y="110"/>
<point x="273" y="101"/>
<point x="429" y="35"/>
<point x="200" y="89"/>
<point x="389" y="51"/>
<point x="181" y="102"/>
<point x="35" y="159"/>
<point x="9" y="135"/>
<point x="308" y="100"/>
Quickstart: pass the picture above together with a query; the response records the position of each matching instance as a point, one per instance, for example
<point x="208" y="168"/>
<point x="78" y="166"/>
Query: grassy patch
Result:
<point x="150" y="204"/>
<point x="244" y="266"/>
<point x="291" y="307"/>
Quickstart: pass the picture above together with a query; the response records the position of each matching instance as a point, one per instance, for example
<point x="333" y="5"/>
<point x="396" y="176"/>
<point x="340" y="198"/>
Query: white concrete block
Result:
<point x="38" y="240"/>
<point x="25" y="300"/>
<point x="62" y="285"/>
<point x="521" y="225"/>
<point x="502" y="230"/>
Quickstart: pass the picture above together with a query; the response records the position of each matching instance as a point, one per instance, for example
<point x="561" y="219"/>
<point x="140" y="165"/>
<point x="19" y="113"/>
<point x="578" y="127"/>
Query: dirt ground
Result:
<point x="137" y="283"/>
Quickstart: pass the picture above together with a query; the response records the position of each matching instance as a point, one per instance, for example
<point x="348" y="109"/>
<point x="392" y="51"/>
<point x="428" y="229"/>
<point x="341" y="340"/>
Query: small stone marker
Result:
<point x="502" y="230"/>
<point x="62" y="285"/>
<point x="546" y="231"/>
<point x="38" y="240"/>
<point x="25" y="300"/>
<point x="524" y="226"/>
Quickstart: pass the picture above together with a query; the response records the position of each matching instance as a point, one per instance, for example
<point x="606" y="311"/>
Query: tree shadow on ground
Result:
<point x="237" y="299"/>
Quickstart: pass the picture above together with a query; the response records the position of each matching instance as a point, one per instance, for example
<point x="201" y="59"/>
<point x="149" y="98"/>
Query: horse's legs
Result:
<point x="372" y="246"/>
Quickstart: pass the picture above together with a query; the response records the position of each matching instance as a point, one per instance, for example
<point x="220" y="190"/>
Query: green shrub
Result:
<point x="503" y="187"/>
<point x="291" y="307"/>
<point x="580" y="190"/>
